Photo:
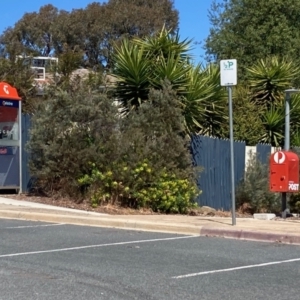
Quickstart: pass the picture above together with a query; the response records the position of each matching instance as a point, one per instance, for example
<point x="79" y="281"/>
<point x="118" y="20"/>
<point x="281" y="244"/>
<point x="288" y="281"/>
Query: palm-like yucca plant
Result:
<point x="132" y="69"/>
<point x="145" y="63"/>
<point x="172" y="69"/>
<point x="161" y="45"/>
<point x="203" y="100"/>
<point x="269" y="78"/>
<point x="217" y="100"/>
<point x="273" y="122"/>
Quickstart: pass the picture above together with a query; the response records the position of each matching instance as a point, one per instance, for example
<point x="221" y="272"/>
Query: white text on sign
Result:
<point x="293" y="186"/>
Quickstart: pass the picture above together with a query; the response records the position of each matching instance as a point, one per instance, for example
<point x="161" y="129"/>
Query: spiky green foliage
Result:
<point x="270" y="77"/>
<point x="160" y="46"/>
<point x="132" y="70"/>
<point x="148" y="62"/>
<point x="204" y="101"/>
<point x="268" y="80"/>
<point x="273" y="121"/>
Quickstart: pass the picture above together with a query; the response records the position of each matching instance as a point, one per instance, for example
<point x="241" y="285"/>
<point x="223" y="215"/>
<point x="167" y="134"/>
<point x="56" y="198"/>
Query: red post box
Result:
<point x="284" y="172"/>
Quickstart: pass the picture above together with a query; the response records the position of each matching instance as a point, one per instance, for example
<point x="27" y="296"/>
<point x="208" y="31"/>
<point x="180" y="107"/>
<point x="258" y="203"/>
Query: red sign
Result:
<point x="8" y="92"/>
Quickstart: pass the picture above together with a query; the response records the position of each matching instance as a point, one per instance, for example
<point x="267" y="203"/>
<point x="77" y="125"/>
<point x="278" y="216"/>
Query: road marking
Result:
<point x="33" y="226"/>
<point x="237" y="268"/>
<point x="96" y="246"/>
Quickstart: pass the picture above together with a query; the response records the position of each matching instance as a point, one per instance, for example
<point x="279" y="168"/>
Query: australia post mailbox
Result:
<point x="284" y="172"/>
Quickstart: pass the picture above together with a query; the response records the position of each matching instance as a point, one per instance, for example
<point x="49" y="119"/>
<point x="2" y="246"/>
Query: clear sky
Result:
<point x="193" y="16"/>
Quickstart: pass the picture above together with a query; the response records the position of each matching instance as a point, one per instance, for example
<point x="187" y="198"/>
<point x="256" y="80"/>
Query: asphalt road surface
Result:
<point x="58" y="262"/>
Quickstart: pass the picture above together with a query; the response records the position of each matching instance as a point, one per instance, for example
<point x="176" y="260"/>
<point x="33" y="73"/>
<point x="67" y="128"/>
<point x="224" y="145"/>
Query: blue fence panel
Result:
<point x="213" y="155"/>
<point x="26" y="178"/>
<point x="263" y="152"/>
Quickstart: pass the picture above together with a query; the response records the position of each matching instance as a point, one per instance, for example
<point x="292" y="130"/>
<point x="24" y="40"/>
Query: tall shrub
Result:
<point x="69" y="131"/>
<point x="82" y="146"/>
<point x="253" y="193"/>
<point x="154" y="166"/>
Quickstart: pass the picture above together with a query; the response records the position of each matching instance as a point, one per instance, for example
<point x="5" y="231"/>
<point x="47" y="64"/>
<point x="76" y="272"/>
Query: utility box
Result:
<point x="284" y="172"/>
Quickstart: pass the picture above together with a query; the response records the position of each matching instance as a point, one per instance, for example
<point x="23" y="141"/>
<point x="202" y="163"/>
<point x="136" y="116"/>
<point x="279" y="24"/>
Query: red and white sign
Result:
<point x="279" y="157"/>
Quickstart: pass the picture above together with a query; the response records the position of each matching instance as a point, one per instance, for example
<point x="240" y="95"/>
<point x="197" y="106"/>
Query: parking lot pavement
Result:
<point x="57" y="261"/>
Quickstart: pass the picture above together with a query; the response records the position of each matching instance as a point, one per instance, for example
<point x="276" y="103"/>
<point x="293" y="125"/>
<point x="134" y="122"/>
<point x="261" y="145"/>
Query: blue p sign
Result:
<point x="228" y="65"/>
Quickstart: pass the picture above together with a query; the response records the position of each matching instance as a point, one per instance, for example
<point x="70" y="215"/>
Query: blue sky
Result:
<point x="193" y="16"/>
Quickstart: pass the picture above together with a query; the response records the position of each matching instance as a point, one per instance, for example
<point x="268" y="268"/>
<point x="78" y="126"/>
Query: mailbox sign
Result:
<point x="284" y="172"/>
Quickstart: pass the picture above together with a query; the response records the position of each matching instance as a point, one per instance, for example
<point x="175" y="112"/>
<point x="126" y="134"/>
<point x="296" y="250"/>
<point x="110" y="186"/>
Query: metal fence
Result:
<point x="214" y="180"/>
<point x="263" y="152"/>
<point x="26" y="178"/>
<point x="212" y="155"/>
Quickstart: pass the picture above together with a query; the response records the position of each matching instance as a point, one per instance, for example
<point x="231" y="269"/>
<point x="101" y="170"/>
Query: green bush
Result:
<point x="69" y="131"/>
<point x="294" y="203"/>
<point x="252" y="194"/>
<point x="153" y="167"/>
<point x="81" y="147"/>
<point x="140" y="188"/>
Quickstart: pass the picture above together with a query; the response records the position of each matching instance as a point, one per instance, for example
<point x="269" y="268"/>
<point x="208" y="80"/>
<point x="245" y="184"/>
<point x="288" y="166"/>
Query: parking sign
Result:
<point x="228" y="69"/>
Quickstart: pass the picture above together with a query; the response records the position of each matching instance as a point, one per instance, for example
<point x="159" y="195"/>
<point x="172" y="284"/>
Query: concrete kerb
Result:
<point x="250" y="235"/>
<point x="154" y="227"/>
<point x="102" y="222"/>
<point x="174" y="227"/>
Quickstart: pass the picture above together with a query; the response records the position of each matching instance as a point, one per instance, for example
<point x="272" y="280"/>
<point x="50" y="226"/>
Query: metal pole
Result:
<point x="287" y="122"/>
<point x="286" y="146"/>
<point x="231" y="156"/>
<point x="21" y="188"/>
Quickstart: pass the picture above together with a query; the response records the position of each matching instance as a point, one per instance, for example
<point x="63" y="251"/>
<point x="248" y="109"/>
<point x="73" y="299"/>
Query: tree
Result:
<point x="249" y="30"/>
<point x="31" y="35"/>
<point x="247" y="123"/>
<point x="19" y="76"/>
<point x="94" y="30"/>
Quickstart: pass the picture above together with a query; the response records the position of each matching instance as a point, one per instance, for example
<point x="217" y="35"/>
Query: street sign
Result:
<point x="228" y="69"/>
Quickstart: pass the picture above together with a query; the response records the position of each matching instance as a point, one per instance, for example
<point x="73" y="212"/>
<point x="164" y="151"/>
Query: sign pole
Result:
<point x="287" y="140"/>
<point x="228" y="76"/>
<point x="231" y="155"/>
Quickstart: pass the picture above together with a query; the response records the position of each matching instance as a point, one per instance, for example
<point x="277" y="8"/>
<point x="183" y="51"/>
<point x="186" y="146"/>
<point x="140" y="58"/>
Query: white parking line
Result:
<point x="96" y="246"/>
<point x="237" y="268"/>
<point x="34" y="226"/>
